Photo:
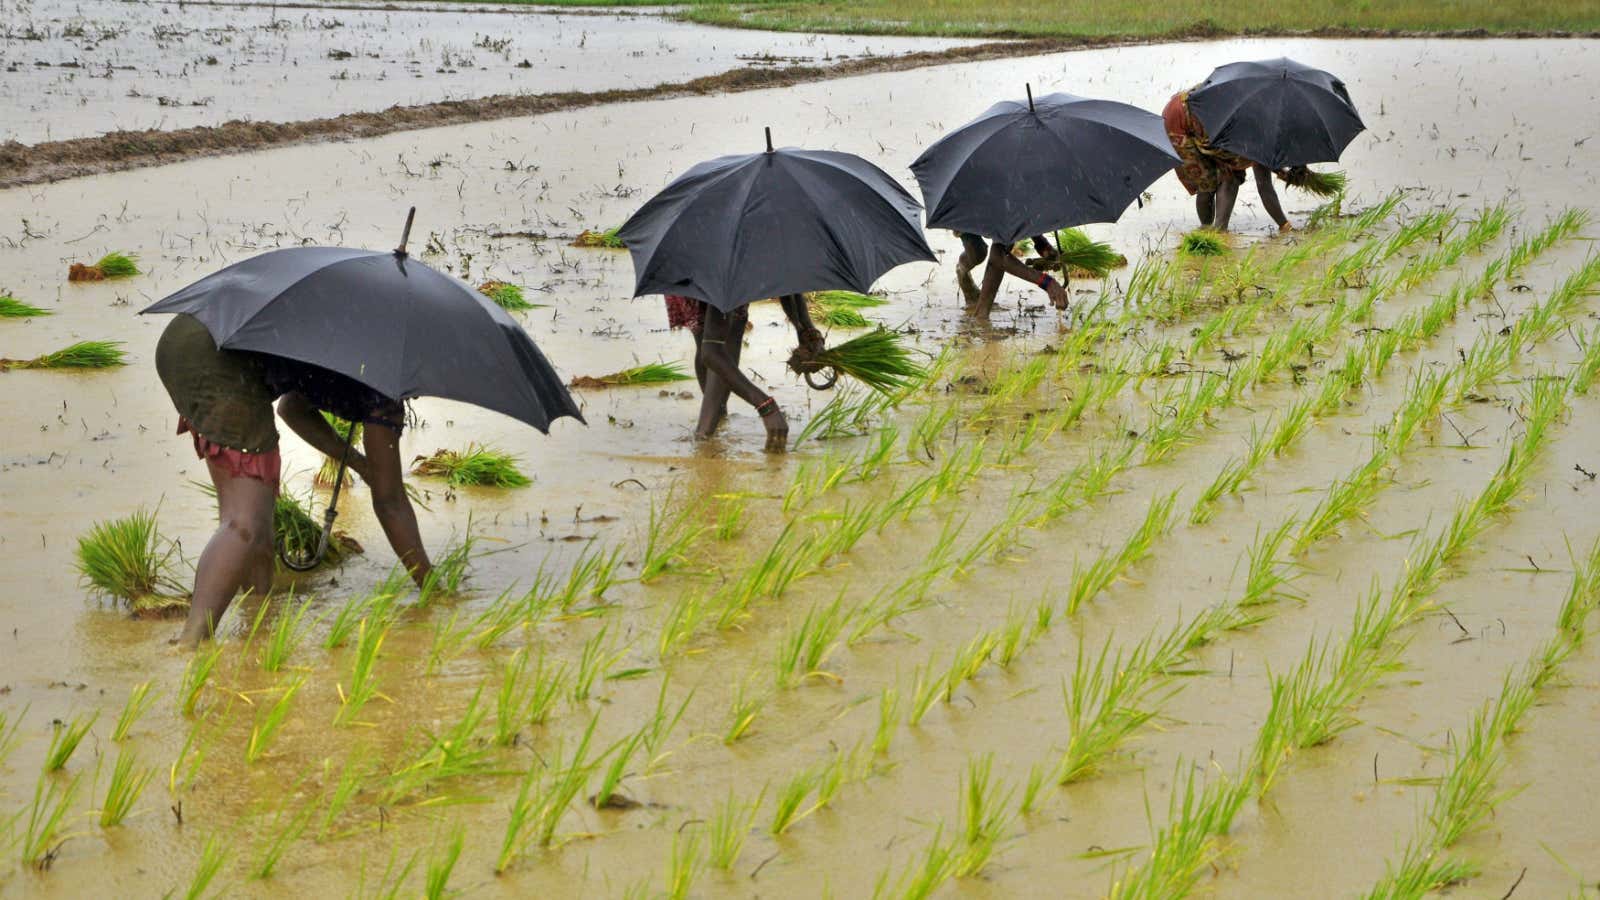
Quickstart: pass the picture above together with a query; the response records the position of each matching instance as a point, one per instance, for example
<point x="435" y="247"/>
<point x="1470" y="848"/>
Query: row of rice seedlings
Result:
<point x="544" y="795"/>
<point x="1202" y="394"/>
<point x="12" y="308"/>
<point x="127" y="784"/>
<point x="446" y="755"/>
<point x="807" y="646"/>
<point x="820" y="784"/>
<point x="669" y="538"/>
<point x="129" y="559"/>
<point x="1089" y="581"/>
<point x="474" y="465"/>
<point x="1565" y="225"/>
<point x="1467" y="792"/>
<point x="841" y="309"/>
<point x="81" y="355"/>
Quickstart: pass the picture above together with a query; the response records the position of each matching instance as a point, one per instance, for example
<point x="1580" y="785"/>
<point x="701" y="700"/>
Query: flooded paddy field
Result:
<point x="79" y="69"/>
<point x="1263" y="575"/>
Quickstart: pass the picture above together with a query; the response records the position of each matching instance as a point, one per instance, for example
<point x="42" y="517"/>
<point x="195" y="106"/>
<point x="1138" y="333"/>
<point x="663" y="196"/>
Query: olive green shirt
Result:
<point x="222" y="393"/>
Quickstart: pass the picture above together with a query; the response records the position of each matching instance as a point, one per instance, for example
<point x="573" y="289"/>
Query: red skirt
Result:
<point x="266" y="467"/>
<point x="685" y="312"/>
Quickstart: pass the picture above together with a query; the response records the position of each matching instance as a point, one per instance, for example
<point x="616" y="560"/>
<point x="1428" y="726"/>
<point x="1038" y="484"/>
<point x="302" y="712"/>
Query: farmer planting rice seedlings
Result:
<point x="1018" y="608"/>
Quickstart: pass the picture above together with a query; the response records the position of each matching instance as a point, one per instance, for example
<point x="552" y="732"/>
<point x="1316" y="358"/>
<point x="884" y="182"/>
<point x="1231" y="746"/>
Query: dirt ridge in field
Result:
<point x="24" y="164"/>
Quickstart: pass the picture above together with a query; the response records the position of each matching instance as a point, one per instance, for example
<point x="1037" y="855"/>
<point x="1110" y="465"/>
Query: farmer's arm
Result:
<point x="1013" y="266"/>
<point x="799" y="313"/>
<point x="306" y="421"/>
<point x="1269" y="197"/>
<point x="390" y="504"/>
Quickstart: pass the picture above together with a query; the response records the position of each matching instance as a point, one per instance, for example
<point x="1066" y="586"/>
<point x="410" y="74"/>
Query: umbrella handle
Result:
<point x="405" y="234"/>
<point x="827" y="381"/>
<point x="328" y="515"/>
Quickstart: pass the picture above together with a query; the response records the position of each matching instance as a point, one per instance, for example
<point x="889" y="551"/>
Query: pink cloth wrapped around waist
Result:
<point x="265" y="467"/>
<point x="685" y="312"/>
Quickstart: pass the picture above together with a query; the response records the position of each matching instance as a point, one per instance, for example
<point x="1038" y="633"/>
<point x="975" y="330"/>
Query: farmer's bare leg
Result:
<point x="391" y="506"/>
<point x="993" y="272"/>
<point x="972" y="253"/>
<point x="1269" y="197"/>
<point x="1205" y="206"/>
<point x="1227" y="195"/>
<point x="239" y="554"/>
<point x="723" y="377"/>
<point x="1016" y="267"/>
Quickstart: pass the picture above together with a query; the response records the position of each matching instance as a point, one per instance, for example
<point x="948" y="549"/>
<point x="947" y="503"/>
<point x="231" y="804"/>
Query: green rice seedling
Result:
<point x="1421" y="872"/>
<point x="850" y="299"/>
<point x="592" y="574"/>
<point x="1568" y="224"/>
<point x="684" y="864"/>
<point x="507" y="296"/>
<point x="1317" y="184"/>
<point x="877" y="359"/>
<point x="680" y="622"/>
<point x="808" y="645"/>
<point x="513" y="698"/>
<point x="1202" y="243"/>
<point x="669" y="538"/>
<point x="450" y="754"/>
<point x="926" y="873"/>
<point x="968" y="662"/>
<point x="605" y="796"/>
<point x="1265" y="581"/>
<point x="269" y="721"/>
<point x="730" y="517"/>
<point x="595" y="658"/>
<point x="129" y="560"/>
<point x="1227" y="481"/>
<point x="788" y="800"/>
<point x="350" y="782"/>
<point x="888" y="721"/>
<point x="729" y="829"/>
<point x="128" y="781"/>
<point x="330" y="466"/>
<point x="1104" y="703"/>
<point x="1467" y="794"/>
<point x="1292" y="426"/>
<point x="12" y="308"/>
<point x="390" y="881"/>
<point x="1014" y="637"/>
<point x="196" y="675"/>
<point x="1029" y="804"/>
<point x="42" y="836"/>
<point x="288" y="826"/>
<point x="82" y="355"/>
<point x="646" y="374"/>
<point x="985" y="814"/>
<point x="838" y="316"/>
<point x="447" y="642"/>
<point x="1346" y="499"/>
<point x="606" y="238"/>
<point x="474" y="465"/>
<point x="370" y="635"/>
<point x="139" y="700"/>
<point x="1083" y="257"/>
<point x="663" y="721"/>
<point x="1088" y="581"/>
<point x="437" y="880"/>
<point x="345" y="622"/>
<point x="296" y="533"/>
<point x="117" y="264"/>
<point x="288" y="632"/>
<point x="449" y="572"/>
<point x="1197" y="821"/>
<point x="213" y="855"/>
<point x="747" y="703"/>
<point x="10" y="723"/>
<point x="562" y="787"/>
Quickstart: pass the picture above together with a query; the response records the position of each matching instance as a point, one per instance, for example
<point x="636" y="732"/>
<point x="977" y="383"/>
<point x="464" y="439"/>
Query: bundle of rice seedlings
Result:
<point x="12" y="308"/>
<point x="476" y="465"/>
<point x="838" y="317"/>
<point x="129" y="560"/>
<point x="508" y="296"/>
<point x="607" y="239"/>
<point x="1202" y="243"/>
<point x="82" y="355"/>
<point x="1082" y="257"/>
<point x="650" y="373"/>
<point x="115" y="264"/>
<point x="1318" y="184"/>
<point x="876" y="359"/>
<point x="330" y="466"/>
<point x="841" y="309"/>
<point x="296" y="533"/>
<point x="847" y="299"/>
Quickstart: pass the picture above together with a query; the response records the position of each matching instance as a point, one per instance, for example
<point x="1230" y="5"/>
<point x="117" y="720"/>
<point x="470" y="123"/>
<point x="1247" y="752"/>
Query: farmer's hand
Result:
<point x="811" y="340"/>
<point x="777" y="430"/>
<point x="1058" y="294"/>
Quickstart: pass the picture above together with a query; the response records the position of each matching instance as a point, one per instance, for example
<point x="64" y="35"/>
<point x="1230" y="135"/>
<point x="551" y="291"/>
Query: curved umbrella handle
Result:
<point x="830" y="376"/>
<point x="306" y="564"/>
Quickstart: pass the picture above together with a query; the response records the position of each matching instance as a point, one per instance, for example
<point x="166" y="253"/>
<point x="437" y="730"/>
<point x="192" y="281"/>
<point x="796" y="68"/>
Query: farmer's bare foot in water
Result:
<point x="969" y="290"/>
<point x="777" y="430"/>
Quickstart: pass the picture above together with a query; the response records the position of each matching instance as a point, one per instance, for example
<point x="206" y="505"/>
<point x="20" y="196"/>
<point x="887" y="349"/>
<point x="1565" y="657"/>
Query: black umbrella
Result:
<point x="383" y="319"/>
<point x="1276" y="112"/>
<point x="1022" y="169"/>
<point x="747" y="227"/>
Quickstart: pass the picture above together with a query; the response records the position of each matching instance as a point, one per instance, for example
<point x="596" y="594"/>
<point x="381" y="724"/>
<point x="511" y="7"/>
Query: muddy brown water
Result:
<point x="1458" y="122"/>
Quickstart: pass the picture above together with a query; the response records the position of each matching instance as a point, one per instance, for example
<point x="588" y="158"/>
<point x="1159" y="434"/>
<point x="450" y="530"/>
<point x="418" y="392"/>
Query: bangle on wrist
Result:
<point x="1045" y="281"/>
<point x="767" y="406"/>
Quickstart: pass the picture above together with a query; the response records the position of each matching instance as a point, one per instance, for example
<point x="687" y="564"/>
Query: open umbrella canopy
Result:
<point x="392" y="323"/>
<point x="741" y="228"/>
<point x="1276" y="112"/>
<point x="1026" y="168"/>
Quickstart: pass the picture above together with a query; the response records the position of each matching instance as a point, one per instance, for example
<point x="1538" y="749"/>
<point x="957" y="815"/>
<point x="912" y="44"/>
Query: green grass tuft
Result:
<point x="476" y="465"/>
<point x="12" y="308"/>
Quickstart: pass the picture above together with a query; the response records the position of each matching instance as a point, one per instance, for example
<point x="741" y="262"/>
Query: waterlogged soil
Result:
<point x="1458" y="124"/>
<point x="80" y="69"/>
